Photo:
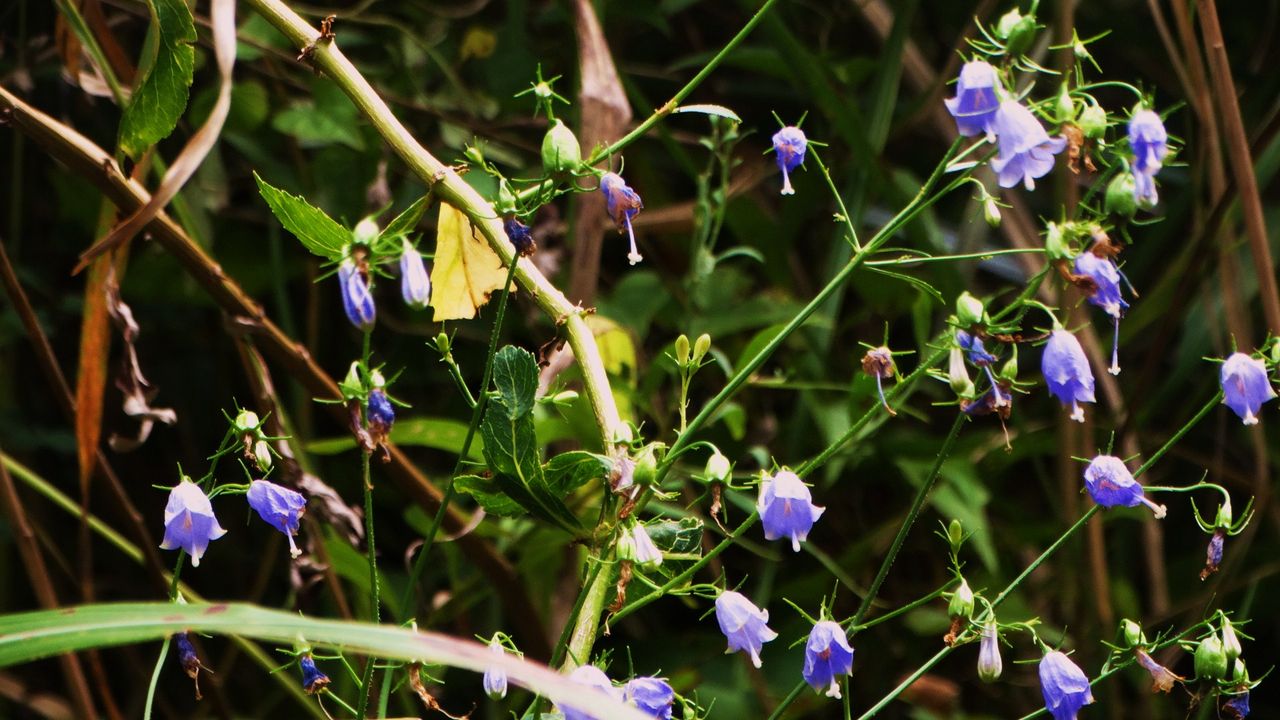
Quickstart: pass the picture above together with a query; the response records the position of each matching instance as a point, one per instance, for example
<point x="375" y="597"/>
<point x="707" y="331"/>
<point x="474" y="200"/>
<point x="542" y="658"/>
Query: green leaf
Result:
<point x="511" y="449"/>
<point x="569" y="471"/>
<point x="705" y="109"/>
<point x="312" y="128"/>
<point x="680" y="542"/>
<point x="29" y="636"/>
<point x="515" y="375"/>
<point x="405" y="222"/>
<point x="919" y="284"/>
<point x="161" y="97"/>
<point x="318" y="232"/>
<point x="485" y="491"/>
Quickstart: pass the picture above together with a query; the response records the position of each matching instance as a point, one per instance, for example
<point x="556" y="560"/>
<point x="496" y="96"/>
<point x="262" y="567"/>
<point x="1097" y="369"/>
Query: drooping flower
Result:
<point x="1110" y="484"/>
<point x="789" y="145"/>
<point x="653" y="696"/>
<point x="189" y="660"/>
<point x="1237" y="708"/>
<point x="415" y="284"/>
<point x="1026" y="150"/>
<point x="827" y="655"/>
<point x="646" y="552"/>
<point x="1162" y="678"/>
<point x="520" y="236"/>
<point x="1064" y="686"/>
<point x="588" y="676"/>
<point x="623" y="204"/>
<point x="495" y="678"/>
<point x="976" y="101"/>
<point x="280" y="507"/>
<point x="189" y="522"/>
<point x="1066" y="372"/>
<point x="990" y="666"/>
<point x="357" y="301"/>
<point x="313" y="681"/>
<point x="1149" y="141"/>
<point x="1104" y="292"/>
<point x="878" y="363"/>
<point x="1213" y="553"/>
<point x="1245" y="387"/>
<point x="977" y="353"/>
<point x="744" y="625"/>
<point x="786" y="508"/>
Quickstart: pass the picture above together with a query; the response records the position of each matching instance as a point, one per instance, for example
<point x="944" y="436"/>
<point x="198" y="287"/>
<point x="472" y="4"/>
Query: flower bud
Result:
<point x="1230" y="641"/>
<point x="646" y="467"/>
<point x="989" y="663"/>
<point x="474" y="155"/>
<point x="1093" y="121"/>
<point x="682" y="351"/>
<point x="700" y="347"/>
<point x="1010" y="370"/>
<point x="262" y="454"/>
<point x="564" y="398"/>
<point x="443" y="343"/>
<point x="1225" y="517"/>
<point x="352" y="386"/>
<point x="507" y="202"/>
<point x="961" y="605"/>
<point x="1017" y="30"/>
<point x="1055" y="243"/>
<point x="246" y="422"/>
<point x="969" y="310"/>
<point x="1132" y="631"/>
<point x="1119" y="198"/>
<point x="1064" y="106"/>
<point x="958" y="374"/>
<point x="415" y="283"/>
<point x="560" y="150"/>
<point x="366" y="231"/>
<point x="718" y="467"/>
<point x="991" y="211"/>
<point x="1211" y="659"/>
<point x="955" y="534"/>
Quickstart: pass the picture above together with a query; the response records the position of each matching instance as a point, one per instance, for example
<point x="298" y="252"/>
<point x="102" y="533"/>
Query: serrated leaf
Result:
<point x="161" y="97"/>
<point x="707" y="109"/>
<point x="405" y="222"/>
<point x="466" y="269"/>
<point x="515" y="375"/>
<point x="485" y="491"/>
<point x="569" y="471"/>
<point x="317" y="232"/>
<point x="511" y="449"/>
<point x="683" y="536"/>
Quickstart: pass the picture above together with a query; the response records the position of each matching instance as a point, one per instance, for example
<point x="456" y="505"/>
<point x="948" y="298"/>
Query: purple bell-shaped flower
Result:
<point x="280" y="507"/>
<point x="786" y="508"/>
<point x="623" y="204"/>
<point x="1149" y="141"/>
<point x="1245" y="386"/>
<point x="789" y="145"/>
<point x="189" y="522"/>
<point x="1104" y="293"/>
<point x="1110" y="484"/>
<point x="1066" y="372"/>
<point x="1064" y="686"/>
<point x="651" y="695"/>
<point x="744" y="625"/>
<point x="976" y="101"/>
<point x="1026" y="150"/>
<point x="827" y="656"/>
<point x="357" y="301"/>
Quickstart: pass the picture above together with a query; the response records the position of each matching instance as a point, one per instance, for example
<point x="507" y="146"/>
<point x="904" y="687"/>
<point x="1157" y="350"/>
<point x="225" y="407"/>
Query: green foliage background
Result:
<point x="450" y="71"/>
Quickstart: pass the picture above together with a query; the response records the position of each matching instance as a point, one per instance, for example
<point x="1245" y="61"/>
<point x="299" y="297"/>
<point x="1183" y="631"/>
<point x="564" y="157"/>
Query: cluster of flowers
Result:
<point x="189" y="522"/>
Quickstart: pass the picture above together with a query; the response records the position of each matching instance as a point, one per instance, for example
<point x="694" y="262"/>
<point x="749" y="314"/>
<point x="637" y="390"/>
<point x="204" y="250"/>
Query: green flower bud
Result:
<point x="564" y="398"/>
<point x="700" y="347"/>
<point x="246" y="422"/>
<point x="1240" y="675"/>
<point x="1119" y="198"/>
<point x="955" y="534"/>
<point x="1230" y="641"/>
<point x="961" y="605"/>
<point x="646" y="466"/>
<point x="958" y="375"/>
<point x="366" y="231"/>
<point x="718" y="467"/>
<point x="969" y="310"/>
<point x="1225" y="518"/>
<point x="1133" y="636"/>
<point x="682" y="351"/>
<point x="560" y="150"/>
<point x="262" y="454"/>
<point x="442" y="343"/>
<point x="1010" y="370"/>
<point x="991" y="211"/>
<point x="352" y="386"/>
<point x="507" y="203"/>
<point x="1055" y="243"/>
<point x="1211" y="659"/>
<point x="1064" y="106"/>
<point x="474" y="155"/>
<point x="376" y="381"/>
<point x="1093" y="121"/>
<point x="1018" y="32"/>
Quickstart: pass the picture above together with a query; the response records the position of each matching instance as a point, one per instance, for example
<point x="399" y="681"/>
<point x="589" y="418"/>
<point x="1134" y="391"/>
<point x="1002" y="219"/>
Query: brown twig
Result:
<point x="82" y="157"/>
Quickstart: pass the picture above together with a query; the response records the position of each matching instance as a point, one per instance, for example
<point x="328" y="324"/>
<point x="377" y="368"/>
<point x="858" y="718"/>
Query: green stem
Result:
<point x="477" y="412"/>
<point x="155" y="679"/>
<point x="375" y="599"/>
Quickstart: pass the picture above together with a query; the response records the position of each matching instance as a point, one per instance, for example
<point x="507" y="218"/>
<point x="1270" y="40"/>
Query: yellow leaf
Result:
<point x="466" y="269"/>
